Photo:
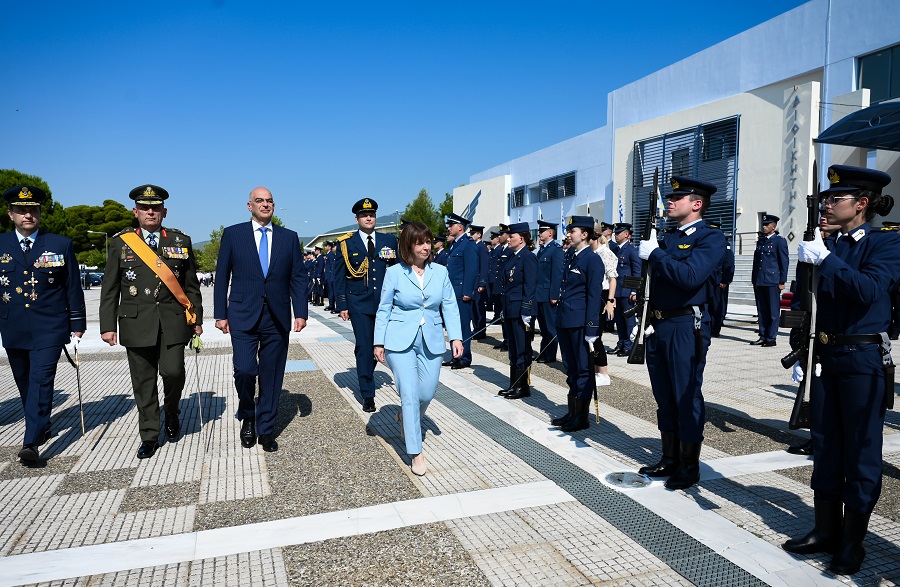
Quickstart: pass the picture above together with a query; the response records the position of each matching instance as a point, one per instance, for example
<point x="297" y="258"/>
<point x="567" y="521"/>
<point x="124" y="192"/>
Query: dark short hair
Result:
<point x="412" y="234"/>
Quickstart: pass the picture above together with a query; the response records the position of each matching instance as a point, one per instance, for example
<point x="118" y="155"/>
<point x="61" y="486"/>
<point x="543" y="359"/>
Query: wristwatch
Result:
<point x="611" y="300"/>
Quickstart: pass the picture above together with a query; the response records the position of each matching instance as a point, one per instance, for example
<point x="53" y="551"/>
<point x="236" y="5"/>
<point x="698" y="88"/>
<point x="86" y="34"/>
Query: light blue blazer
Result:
<point x="404" y="304"/>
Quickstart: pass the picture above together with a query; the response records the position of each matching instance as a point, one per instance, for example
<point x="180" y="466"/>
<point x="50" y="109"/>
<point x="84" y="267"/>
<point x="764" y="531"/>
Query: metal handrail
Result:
<point x="739" y="237"/>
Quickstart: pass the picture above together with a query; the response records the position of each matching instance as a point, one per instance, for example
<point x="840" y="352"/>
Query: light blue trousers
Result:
<point x="416" y="372"/>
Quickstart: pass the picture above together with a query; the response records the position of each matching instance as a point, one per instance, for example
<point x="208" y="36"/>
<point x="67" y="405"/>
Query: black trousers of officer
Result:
<point x="676" y="376"/>
<point x="479" y="312"/>
<point x="718" y="307"/>
<point x="574" y="349"/>
<point x="34" y="372"/>
<point x="519" y="350"/>
<point x="144" y="363"/>
<point x="847" y="415"/>
<point x="546" y="319"/>
<point x="767" y="308"/>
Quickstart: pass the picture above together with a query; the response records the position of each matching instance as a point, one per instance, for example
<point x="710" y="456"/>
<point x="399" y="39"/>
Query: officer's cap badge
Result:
<point x="833" y="177"/>
<point x="675" y="184"/>
<point x="367" y="204"/>
<point x="25" y="194"/>
<point x="148" y="192"/>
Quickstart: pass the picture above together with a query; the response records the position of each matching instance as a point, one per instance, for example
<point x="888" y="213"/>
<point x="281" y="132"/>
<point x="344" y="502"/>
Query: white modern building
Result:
<point x="742" y="114"/>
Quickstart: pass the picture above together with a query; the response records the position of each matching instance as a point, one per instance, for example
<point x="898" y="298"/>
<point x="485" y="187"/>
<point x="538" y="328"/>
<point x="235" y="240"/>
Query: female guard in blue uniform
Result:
<point x="682" y="262"/>
<point x="858" y="267"/>
<point x="578" y="320"/>
<point x="519" y="281"/>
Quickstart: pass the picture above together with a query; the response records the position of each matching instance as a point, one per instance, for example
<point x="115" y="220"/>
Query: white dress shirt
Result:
<point x="257" y="235"/>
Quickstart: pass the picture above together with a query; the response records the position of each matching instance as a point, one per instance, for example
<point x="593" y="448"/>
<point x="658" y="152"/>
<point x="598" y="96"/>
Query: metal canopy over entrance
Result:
<point x="875" y="127"/>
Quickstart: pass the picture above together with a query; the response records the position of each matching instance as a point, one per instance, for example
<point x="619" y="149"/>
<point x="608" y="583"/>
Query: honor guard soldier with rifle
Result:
<point x="41" y="309"/>
<point x="856" y="269"/>
<point x="769" y="274"/>
<point x="681" y="263"/>
<point x="358" y="275"/>
<point x="150" y="304"/>
<point x="551" y="265"/>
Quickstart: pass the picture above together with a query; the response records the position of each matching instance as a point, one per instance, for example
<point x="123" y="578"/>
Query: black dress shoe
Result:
<point x="801" y="449"/>
<point x="768" y="343"/>
<point x="147" y="449"/>
<point x="173" y="427"/>
<point x="758" y="342"/>
<point x="248" y="433"/>
<point x="546" y="360"/>
<point x="29" y="455"/>
<point x="368" y="404"/>
<point x="268" y="443"/>
<point x="449" y="363"/>
<point x="460" y="365"/>
<point x="479" y="337"/>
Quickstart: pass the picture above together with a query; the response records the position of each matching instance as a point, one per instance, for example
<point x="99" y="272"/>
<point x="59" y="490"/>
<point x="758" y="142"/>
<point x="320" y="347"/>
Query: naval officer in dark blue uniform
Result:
<point x="551" y="264"/>
<point x="858" y="267"/>
<point x="330" y="260"/>
<point x="681" y="288"/>
<point x="479" y="303"/>
<point x="769" y="274"/>
<point x="41" y="309"/>
<point x="519" y="278"/>
<point x="359" y="272"/>
<point x="722" y="277"/>
<point x="462" y="265"/>
<point x="629" y="264"/>
<point x="578" y="321"/>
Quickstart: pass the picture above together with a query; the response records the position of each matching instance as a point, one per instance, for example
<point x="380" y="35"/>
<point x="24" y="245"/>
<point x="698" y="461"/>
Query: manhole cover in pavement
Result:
<point x="627" y="480"/>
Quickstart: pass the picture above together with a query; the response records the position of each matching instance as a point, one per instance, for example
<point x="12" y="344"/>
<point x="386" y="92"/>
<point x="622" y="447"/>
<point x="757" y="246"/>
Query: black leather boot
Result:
<point x="688" y="471"/>
<point x="559" y="421"/>
<point x="668" y="464"/>
<point x="523" y="389"/>
<point x="513" y="376"/>
<point x="580" y="420"/>
<point x="825" y="534"/>
<point x="850" y="552"/>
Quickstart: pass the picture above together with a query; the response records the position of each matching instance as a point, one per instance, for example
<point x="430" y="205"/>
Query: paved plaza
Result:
<point x="508" y="499"/>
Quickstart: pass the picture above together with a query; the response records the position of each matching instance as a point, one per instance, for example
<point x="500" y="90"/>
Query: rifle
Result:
<point x="642" y="284"/>
<point x="804" y="319"/>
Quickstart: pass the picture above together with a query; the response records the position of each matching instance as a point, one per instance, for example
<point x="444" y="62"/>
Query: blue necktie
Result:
<point x="151" y="241"/>
<point x="264" y="251"/>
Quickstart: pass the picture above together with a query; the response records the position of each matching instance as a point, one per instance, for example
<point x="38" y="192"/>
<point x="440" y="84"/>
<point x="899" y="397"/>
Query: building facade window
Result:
<point x="880" y="73"/>
<point x="518" y="197"/>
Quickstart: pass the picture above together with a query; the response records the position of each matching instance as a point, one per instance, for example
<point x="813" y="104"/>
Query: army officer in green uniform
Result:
<point x="150" y="287"/>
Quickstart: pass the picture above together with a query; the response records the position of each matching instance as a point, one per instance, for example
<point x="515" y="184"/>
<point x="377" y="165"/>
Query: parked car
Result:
<point x="97" y="278"/>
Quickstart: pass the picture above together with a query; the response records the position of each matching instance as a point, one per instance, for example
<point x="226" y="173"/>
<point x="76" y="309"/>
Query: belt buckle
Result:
<point x="826" y="338"/>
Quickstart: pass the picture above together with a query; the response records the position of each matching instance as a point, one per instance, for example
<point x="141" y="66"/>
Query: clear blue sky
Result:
<point x="323" y="103"/>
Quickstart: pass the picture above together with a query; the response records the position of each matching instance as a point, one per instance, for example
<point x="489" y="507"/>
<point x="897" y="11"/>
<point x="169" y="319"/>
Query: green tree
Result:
<point x="109" y="219"/>
<point x="208" y="254"/>
<point x="447" y="205"/>
<point x="52" y="218"/>
<point x="277" y="221"/>
<point x="92" y="258"/>
<point x="422" y="209"/>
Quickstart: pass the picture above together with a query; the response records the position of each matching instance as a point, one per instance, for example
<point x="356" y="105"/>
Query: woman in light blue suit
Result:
<point x="409" y="331"/>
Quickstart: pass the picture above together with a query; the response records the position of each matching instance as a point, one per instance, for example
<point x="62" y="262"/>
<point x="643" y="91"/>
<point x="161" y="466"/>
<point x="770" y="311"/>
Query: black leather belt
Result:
<point x="841" y="339"/>
<point x="666" y="314"/>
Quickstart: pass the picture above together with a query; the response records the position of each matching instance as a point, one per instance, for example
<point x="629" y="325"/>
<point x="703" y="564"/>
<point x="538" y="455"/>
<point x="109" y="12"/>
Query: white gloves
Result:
<point x="813" y="251"/>
<point x="527" y="321"/>
<point x="797" y="372"/>
<point x="648" y="246"/>
<point x="75" y="341"/>
<point x="591" y="340"/>
<point x="647" y="332"/>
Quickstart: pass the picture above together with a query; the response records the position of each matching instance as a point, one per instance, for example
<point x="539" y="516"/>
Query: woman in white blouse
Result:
<point x="600" y="245"/>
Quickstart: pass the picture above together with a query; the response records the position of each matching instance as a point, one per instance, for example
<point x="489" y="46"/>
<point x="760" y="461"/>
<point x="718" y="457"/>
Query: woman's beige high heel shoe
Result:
<point x="418" y="464"/>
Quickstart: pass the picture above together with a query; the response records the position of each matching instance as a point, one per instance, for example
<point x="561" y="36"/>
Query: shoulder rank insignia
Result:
<point x="684" y="246"/>
<point x="344" y="237"/>
<point x="121" y="232"/>
<point x="690" y="231"/>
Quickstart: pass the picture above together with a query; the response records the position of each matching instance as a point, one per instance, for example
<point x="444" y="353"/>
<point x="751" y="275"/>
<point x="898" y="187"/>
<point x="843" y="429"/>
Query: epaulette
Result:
<point x="344" y="237"/>
<point x="178" y="231"/>
<point x="121" y="232"/>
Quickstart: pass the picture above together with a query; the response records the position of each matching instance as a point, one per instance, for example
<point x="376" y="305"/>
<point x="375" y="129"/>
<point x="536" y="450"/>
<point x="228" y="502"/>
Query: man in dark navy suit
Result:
<point x="462" y="266"/>
<point x="770" y="269"/>
<point x="265" y="266"/>
<point x="364" y="258"/>
<point x="479" y="303"/>
<point x="551" y="264"/>
<point x="41" y="308"/>
<point x="629" y="264"/>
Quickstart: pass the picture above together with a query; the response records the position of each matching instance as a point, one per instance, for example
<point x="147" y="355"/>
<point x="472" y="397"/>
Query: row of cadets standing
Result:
<point x="578" y="320"/>
<point x="495" y="280"/>
<point x="682" y="262"/>
<point x="722" y="277"/>
<point x="330" y="262"/>
<point x="480" y="301"/>
<point x="519" y="274"/>
<point x="441" y="250"/>
<point x="41" y="309"/>
<point x="359" y="272"/>
<point x="551" y="265"/>
<point x="769" y="275"/>
<point x="629" y="265"/>
<point x="462" y="266"/>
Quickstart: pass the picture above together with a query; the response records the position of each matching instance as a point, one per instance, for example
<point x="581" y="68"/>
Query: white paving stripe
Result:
<point x="150" y="552"/>
<point x="756" y="556"/>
